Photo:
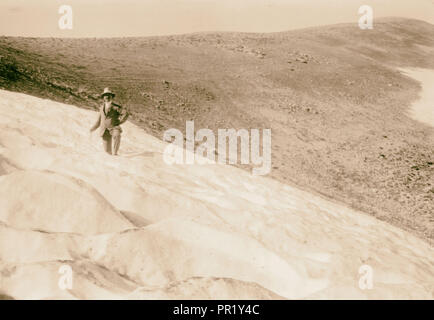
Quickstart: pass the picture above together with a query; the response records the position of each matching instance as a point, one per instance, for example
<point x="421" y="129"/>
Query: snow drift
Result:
<point x="134" y="227"/>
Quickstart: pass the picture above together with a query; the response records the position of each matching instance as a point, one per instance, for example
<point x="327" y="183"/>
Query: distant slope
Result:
<point x="212" y="231"/>
<point x="335" y="103"/>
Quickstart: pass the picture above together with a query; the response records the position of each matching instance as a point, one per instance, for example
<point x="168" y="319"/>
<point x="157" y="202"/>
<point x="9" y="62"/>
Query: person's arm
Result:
<point x="124" y="115"/>
<point x="97" y="123"/>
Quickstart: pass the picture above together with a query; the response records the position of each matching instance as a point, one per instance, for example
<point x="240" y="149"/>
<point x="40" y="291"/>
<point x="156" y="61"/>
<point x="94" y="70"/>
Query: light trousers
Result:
<point x="112" y="136"/>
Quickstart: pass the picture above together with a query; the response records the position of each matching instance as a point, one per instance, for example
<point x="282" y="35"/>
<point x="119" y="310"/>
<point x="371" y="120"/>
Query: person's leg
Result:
<point x="107" y="142"/>
<point x="116" y="135"/>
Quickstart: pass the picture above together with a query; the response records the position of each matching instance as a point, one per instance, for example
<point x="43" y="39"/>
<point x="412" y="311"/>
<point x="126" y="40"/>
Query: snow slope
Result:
<point x="134" y="227"/>
<point x="423" y="109"/>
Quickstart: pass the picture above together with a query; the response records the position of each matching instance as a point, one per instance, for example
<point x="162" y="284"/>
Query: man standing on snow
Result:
<point x="111" y="116"/>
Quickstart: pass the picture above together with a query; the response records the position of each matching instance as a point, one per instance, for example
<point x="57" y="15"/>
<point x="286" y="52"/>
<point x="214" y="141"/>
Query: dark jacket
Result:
<point x="115" y="116"/>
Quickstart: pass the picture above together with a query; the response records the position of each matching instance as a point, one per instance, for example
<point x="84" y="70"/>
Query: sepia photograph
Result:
<point x="216" y="150"/>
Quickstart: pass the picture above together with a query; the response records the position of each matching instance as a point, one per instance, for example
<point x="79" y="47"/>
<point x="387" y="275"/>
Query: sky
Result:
<point x="117" y="18"/>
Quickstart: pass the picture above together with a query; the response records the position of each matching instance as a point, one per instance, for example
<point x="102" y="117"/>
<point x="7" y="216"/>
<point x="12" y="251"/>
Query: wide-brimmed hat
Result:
<point x="106" y="92"/>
